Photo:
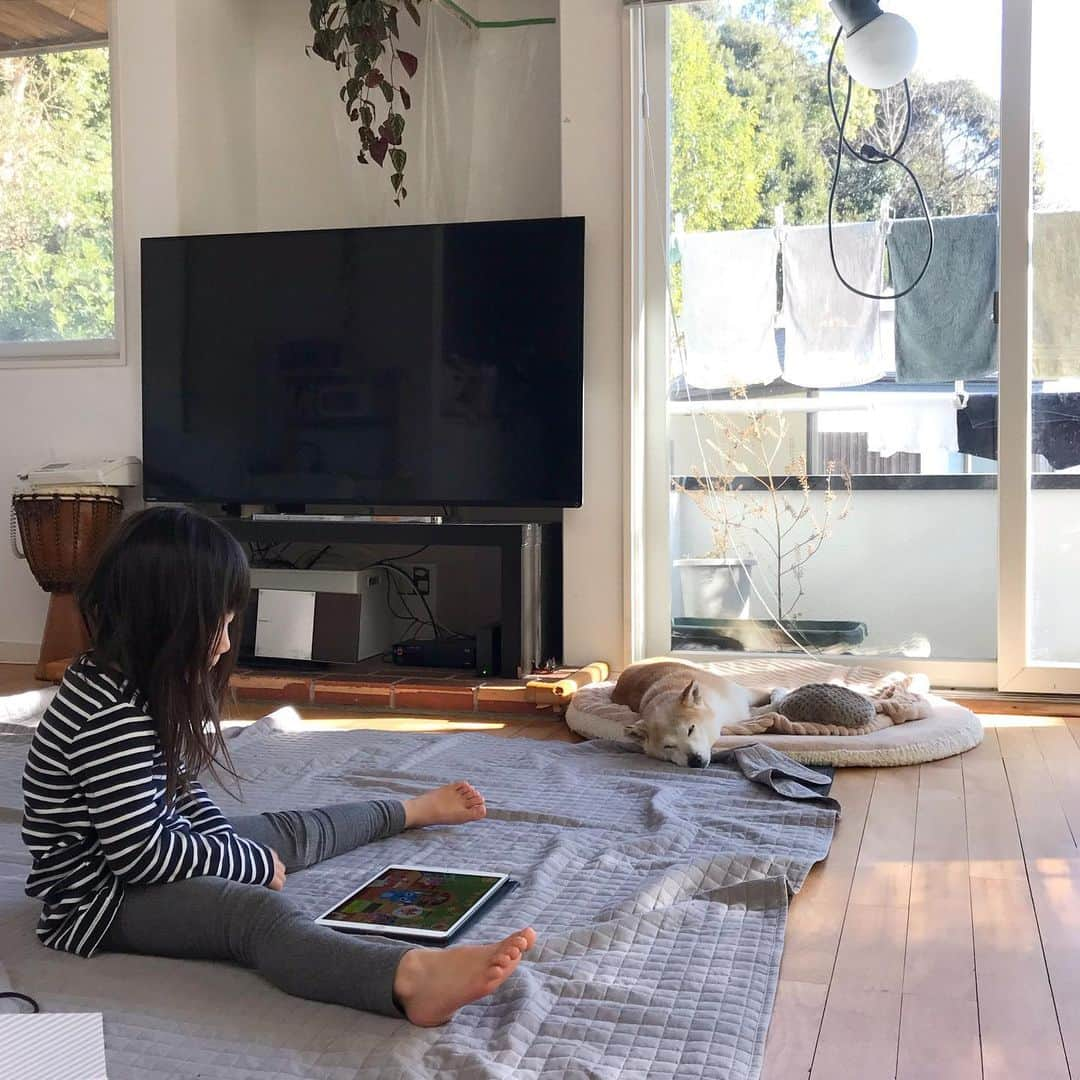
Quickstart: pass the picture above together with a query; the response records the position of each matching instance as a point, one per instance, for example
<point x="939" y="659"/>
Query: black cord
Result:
<point x="871" y="155"/>
<point x="402" y="596"/>
<point x="422" y="597"/>
<point x="316" y="557"/>
<point x="272" y="556"/>
<point x="21" y="997"/>
<point x="408" y="614"/>
<point x="407" y="555"/>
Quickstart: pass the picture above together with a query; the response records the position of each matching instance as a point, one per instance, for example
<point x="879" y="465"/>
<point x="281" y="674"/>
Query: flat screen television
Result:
<point x="403" y="366"/>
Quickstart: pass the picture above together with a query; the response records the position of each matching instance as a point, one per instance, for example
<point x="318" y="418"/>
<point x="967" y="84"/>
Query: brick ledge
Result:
<point x="391" y="693"/>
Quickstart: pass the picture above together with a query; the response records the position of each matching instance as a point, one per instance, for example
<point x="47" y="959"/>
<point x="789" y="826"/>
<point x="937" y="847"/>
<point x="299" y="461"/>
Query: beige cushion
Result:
<point x="949" y="729"/>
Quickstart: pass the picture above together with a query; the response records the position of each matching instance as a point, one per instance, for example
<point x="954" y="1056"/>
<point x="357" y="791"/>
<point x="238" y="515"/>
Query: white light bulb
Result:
<point x="881" y="53"/>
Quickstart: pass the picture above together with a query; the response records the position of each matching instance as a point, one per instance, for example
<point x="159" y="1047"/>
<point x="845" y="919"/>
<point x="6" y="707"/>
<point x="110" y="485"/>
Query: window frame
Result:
<point x="1014" y="670"/>
<point x="85" y="352"/>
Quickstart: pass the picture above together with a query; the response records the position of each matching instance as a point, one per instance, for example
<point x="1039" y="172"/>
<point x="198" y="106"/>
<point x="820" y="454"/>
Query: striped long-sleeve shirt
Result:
<point x="96" y="818"/>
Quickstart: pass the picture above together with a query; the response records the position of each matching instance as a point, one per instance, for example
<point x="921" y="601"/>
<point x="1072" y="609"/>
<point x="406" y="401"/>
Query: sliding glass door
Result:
<point x="1039" y="438"/>
<point x="827" y="474"/>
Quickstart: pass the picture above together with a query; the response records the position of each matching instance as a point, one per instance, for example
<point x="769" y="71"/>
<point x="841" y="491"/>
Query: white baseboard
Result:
<point x="19" y="652"/>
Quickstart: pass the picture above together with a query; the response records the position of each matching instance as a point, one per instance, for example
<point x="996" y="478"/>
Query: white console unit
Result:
<point x="331" y="615"/>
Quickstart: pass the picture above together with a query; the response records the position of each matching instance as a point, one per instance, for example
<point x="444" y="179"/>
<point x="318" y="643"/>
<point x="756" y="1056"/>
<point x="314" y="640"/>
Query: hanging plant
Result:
<point x="360" y="37"/>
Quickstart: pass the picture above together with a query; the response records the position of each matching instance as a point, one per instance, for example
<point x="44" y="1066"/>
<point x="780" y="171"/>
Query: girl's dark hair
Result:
<point x="155" y="605"/>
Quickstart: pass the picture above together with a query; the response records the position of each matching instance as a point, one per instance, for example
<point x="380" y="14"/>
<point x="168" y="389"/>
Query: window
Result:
<point x="1055" y="361"/>
<point x="857" y="478"/>
<point x="58" y="283"/>
<point x="867" y="389"/>
<point x="814" y="437"/>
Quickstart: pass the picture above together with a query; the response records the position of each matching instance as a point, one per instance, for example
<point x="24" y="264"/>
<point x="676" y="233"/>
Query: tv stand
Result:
<point x="530" y="568"/>
<point x="358" y="519"/>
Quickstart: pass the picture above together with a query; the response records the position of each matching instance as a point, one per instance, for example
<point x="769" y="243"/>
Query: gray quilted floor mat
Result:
<point x="659" y="896"/>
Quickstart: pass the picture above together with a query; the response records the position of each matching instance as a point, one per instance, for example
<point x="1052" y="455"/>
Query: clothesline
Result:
<point x="926" y="421"/>
<point x="860" y="400"/>
<point x="820" y="336"/>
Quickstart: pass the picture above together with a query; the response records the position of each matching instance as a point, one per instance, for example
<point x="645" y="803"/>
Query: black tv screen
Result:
<point x="400" y="366"/>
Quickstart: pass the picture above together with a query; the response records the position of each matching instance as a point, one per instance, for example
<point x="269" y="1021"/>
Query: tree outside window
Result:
<point x="56" y="198"/>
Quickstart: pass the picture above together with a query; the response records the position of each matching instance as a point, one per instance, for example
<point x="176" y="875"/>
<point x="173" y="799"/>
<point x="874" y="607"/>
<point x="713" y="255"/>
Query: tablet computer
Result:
<point x="421" y="903"/>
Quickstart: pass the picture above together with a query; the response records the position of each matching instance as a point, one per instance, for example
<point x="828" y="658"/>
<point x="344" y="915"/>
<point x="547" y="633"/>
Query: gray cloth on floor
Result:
<point x="783" y="774"/>
<point x="659" y="896"/>
<point x="945" y="328"/>
<point x="210" y="918"/>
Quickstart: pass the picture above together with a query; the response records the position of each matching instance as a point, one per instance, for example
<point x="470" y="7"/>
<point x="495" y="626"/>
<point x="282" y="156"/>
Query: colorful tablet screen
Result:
<point x="414" y="899"/>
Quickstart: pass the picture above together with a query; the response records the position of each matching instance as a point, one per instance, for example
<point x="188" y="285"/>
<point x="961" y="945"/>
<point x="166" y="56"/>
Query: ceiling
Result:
<point x="34" y="24"/>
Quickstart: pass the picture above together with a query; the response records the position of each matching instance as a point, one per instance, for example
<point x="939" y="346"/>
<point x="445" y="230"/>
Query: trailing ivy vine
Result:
<point x="360" y="37"/>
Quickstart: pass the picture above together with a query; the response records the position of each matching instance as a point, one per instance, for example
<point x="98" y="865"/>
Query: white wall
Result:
<point x="216" y="114"/>
<point x="265" y="143"/>
<point x="923" y="563"/>
<point x="904" y="563"/>
<point x="515" y="158"/>
<point x="55" y="413"/>
<point x="225" y="124"/>
<point x="592" y="185"/>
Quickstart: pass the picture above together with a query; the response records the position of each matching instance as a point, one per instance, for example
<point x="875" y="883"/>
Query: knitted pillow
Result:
<point x="825" y="703"/>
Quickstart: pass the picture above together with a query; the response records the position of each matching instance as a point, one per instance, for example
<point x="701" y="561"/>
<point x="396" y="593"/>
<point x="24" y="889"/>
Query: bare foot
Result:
<point x="453" y="804"/>
<point x="432" y="984"/>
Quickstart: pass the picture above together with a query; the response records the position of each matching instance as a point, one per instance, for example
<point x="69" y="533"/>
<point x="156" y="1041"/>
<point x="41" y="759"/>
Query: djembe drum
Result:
<point x="63" y="530"/>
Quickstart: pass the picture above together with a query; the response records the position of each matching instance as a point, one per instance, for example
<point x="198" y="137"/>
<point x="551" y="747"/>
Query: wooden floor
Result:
<point x="941" y="938"/>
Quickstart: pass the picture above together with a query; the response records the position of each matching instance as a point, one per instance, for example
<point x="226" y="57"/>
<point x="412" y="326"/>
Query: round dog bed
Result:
<point x="949" y="729"/>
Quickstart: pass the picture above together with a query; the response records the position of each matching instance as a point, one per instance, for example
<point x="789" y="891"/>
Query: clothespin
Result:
<point x="885" y="216"/>
<point x="677" y="234"/>
<point x="961" y="395"/>
<point x="779" y="232"/>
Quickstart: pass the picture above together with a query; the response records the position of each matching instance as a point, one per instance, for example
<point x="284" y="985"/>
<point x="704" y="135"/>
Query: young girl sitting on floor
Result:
<point x="129" y="852"/>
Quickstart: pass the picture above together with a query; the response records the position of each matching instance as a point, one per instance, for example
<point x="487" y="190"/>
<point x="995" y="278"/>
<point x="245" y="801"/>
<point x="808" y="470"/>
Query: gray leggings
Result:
<point x="209" y="918"/>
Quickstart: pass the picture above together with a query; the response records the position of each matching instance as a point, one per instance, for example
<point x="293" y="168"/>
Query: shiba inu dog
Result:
<point x="682" y="708"/>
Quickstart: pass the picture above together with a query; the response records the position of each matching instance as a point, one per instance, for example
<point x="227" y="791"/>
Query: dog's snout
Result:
<point x="696" y="761"/>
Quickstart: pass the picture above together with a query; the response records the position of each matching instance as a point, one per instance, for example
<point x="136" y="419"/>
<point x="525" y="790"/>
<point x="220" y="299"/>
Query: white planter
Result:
<point x="716" y="588"/>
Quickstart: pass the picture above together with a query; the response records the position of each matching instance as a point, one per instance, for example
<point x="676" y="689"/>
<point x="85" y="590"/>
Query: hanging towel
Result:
<point x="833" y="336"/>
<point x="1056" y="328"/>
<point x="1055" y="428"/>
<point x="729" y="308"/>
<point x="976" y="427"/>
<point x="919" y="428"/>
<point x="945" y="328"/>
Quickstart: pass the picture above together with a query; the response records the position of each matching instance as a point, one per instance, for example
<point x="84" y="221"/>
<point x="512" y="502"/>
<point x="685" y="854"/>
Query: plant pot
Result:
<point x="715" y="588"/>
<point x="765" y="635"/>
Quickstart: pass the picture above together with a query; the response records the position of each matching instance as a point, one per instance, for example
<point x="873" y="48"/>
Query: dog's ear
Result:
<point x="636" y="731"/>
<point x="691" y="695"/>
